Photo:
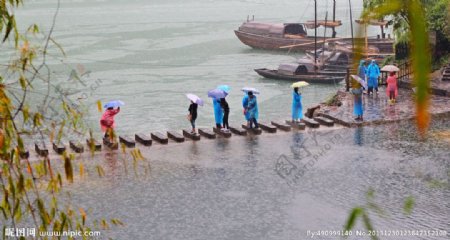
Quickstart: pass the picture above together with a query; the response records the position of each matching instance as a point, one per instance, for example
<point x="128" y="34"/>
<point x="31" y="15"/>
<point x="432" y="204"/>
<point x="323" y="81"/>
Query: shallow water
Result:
<point x="235" y="188"/>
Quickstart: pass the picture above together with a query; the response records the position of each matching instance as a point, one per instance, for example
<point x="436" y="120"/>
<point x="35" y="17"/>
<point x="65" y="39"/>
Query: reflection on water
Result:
<point x="232" y="188"/>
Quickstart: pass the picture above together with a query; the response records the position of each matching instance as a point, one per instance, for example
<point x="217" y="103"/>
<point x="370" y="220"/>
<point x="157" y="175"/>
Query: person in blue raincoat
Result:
<point x="244" y="105"/>
<point x="297" y="108"/>
<point x="358" y="103"/>
<point x="373" y="72"/>
<point x="362" y="70"/>
<point x="252" y="109"/>
<point x="218" y="113"/>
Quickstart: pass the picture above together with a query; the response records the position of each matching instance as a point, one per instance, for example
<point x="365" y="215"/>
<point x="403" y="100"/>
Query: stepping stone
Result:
<point x="256" y="131"/>
<point x="238" y="131"/>
<point x="111" y="145"/>
<point x="40" y="149"/>
<point x="175" y="136"/>
<point x="310" y="122"/>
<point x="192" y="136"/>
<point x="76" y="146"/>
<point x="207" y="133"/>
<point x="282" y="126"/>
<point x="128" y="141"/>
<point x="59" y="148"/>
<point x="220" y="133"/>
<point x="143" y="139"/>
<point x="268" y="127"/>
<point x="296" y="125"/>
<point x="324" y="121"/>
<point x="159" y="137"/>
<point x="93" y="144"/>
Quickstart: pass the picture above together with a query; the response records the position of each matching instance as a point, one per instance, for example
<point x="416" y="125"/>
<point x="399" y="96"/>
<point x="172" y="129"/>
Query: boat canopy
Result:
<point x="323" y="23"/>
<point x="373" y="22"/>
<point x="274" y="29"/>
<point x="292" y="69"/>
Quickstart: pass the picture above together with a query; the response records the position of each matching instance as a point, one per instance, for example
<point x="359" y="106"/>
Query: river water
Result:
<point x="150" y="53"/>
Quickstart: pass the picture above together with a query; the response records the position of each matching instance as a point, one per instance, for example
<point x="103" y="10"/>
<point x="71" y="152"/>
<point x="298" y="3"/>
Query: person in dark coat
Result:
<point x="192" y="115"/>
<point x="226" y="113"/>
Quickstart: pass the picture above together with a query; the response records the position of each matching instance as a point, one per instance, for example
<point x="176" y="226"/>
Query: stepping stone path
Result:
<point x="159" y="137"/>
<point x="238" y="131"/>
<point x="324" y="121"/>
<point x="40" y="149"/>
<point x="310" y="122"/>
<point x="207" y="133"/>
<point x="76" y="146"/>
<point x="192" y="136"/>
<point x="59" y="148"/>
<point x="281" y="126"/>
<point x="111" y="145"/>
<point x="256" y="131"/>
<point x="222" y="134"/>
<point x="93" y="144"/>
<point x="144" y="139"/>
<point x="175" y="136"/>
<point x="127" y="141"/>
<point x="296" y="125"/>
<point x="267" y="127"/>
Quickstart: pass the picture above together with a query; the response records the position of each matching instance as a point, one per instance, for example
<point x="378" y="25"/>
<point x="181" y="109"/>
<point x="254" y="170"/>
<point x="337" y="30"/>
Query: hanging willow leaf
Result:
<point x="68" y="169"/>
<point x="408" y="205"/>
<point x="99" y="106"/>
<point x="356" y="212"/>
<point x="368" y="225"/>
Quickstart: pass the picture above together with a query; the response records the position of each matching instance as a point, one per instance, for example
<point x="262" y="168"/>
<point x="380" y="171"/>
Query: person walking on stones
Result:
<point x="226" y="113"/>
<point x="358" y="101"/>
<point x="245" y="105"/>
<point x="107" y="121"/>
<point x="391" y="89"/>
<point x="297" y="108"/>
<point x="373" y="72"/>
<point x="362" y="71"/>
<point x="218" y="113"/>
<point x="252" y="109"/>
<point x="192" y="115"/>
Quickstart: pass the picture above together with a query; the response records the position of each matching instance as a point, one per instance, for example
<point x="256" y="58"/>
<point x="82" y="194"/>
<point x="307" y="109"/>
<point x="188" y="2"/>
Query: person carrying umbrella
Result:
<point x="252" y="109"/>
<point x="216" y="95"/>
<point x="192" y="116"/>
<point x="391" y="89"/>
<point x="373" y="72"/>
<point x="107" y="122"/>
<point x="297" y="108"/>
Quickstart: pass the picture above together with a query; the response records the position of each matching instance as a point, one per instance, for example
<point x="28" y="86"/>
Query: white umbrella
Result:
<point x="194" y="98"/>
<point x="360" y="80"/>
<point x="250" y="89"/>
<point x="390" y="68"/>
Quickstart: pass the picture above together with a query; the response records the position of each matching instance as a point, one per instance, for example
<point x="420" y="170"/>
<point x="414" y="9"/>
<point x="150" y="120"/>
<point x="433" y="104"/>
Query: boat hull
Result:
<point x="310" y="78"/>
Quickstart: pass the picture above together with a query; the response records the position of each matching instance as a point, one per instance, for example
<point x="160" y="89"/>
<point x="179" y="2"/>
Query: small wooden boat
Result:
<point x="295" y="72"/>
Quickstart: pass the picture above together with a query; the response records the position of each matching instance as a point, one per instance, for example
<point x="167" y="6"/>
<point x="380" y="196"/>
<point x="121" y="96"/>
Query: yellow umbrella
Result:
<point x="299" y="84"/>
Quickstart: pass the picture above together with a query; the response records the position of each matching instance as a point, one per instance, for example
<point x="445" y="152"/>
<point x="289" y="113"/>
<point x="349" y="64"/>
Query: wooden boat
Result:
<point x="299" y="72"/>
<point x="274" y="36"/>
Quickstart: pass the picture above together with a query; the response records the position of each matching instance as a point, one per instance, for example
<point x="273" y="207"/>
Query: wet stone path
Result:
<point x="378" y="110"/>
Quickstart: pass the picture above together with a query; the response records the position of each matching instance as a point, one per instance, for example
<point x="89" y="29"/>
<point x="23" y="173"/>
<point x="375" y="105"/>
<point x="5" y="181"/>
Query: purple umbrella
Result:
<point x="217" y="93"/>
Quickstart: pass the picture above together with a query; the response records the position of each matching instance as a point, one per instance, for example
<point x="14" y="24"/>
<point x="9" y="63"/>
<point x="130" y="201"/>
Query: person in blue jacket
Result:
<point x="297" y="108"/>
<point x="373" y="72"/>
<point x="218" y="113"/>
<point x="252" y="109"/>
<point x="244" y="105"/>
<point x="362" y="70"/>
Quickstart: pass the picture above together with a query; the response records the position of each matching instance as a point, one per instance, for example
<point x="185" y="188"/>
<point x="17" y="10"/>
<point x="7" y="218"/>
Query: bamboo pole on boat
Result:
<point x="334" y="19"/>
<point x="309" y="43"/>
<point x="315" y="33"/>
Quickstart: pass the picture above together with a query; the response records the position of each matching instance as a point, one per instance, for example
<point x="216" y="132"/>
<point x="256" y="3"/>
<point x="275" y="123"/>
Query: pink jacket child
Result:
<point x="392" y="89"/>
<point x="107" y="120"/>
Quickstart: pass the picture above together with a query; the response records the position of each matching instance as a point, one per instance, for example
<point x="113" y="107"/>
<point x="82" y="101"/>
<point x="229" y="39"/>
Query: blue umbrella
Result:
<point x="217" y="93"/>
<point x="113" y="104"/>
<point x="224" y="88"/>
